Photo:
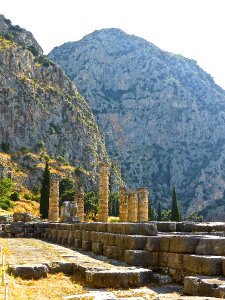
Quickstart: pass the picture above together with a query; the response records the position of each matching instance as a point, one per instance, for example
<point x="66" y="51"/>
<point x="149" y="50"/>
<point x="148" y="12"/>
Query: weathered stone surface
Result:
<point x="53" y="211"/>
<point x="209" y="227"/>
<point x="86" y="245"/>
<point x="204" y="286"/>
<point x="103" y="193"/>
<point x="203" y="265"/>
<point x="132" y="207"/>
<point x="142" y="193"/>
<point x="27" y="271"/>
<point x="152" y="243"/>
<point x="114" y="279"/>
<point x="111" y="252"/>
<point x="137" y="258"/>
<point x="97" y="248"/>
<point x="166" y="226"/>
<point x="183" y="244"/>
<point x="184" y="226"/>
<point x="134" y="242"/>
<point x="211" y="246"/>
<point x="22" y="217"/>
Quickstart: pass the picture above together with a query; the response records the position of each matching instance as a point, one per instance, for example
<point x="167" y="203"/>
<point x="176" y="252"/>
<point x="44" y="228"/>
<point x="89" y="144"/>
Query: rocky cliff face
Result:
<point x="40" y="108"/>
<point x="163" y="116"/>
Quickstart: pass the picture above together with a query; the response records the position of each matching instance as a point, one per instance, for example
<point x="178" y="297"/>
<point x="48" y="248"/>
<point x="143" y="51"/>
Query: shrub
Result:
<point x="5" y="147"/>
<point x="15" y="196"/>
<point x="27" y="196"/>
<point x="33" y="50"/>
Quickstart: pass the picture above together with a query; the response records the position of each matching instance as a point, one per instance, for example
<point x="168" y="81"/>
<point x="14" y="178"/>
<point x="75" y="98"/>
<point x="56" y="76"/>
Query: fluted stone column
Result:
<point x="142" y="204"/>
<point x="53" y="211"/>
<point x="123" y="213"/>
<point x="132" y="206"/>
<point x="103" y="194"/>
<point x="79" y="196"/>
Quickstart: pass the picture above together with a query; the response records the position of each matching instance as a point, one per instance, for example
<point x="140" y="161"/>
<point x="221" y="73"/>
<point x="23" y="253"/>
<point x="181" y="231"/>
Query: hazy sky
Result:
<point x="193" y="28"/>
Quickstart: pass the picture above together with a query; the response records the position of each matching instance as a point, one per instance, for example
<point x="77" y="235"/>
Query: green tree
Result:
<point x="5" y="191"/>
<point x="66" y="190"/>
<point x="45" y="191"/>
<point x="91" y="203"/>
<point x="175" y="214"/>
<point x="114" y="204"/>
<point x="159" y="213"/>
<point x="153" y="216"/>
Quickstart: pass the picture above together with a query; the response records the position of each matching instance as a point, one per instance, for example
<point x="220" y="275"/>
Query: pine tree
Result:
<point x="175" y="214"/>
<point x="159" y="213"/>
<point x="45" y="191"/>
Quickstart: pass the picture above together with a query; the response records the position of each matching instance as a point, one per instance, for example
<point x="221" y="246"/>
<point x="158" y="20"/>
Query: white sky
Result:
<point x="193" y="28"/>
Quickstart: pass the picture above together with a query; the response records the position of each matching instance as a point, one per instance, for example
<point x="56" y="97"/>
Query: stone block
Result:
<point x="86" y="245"/>
<point x="108" y="239"/>
<point x="183" y="244"/>
<point x="120" y="240"/>
<point x="203" y="265"/>
<point x="211" y="246"/>
<point x="200" y="286"/>
<point x="153" y="259"/>
<point x="77" y="243"/>
<point x="175" y="260"/>
<point x="166" y="226"/>
<point x="112" y="252"/>
<point x="163" y="258"/>
<point x="77" y="234"/>
<point x="209" y="227"/>
<point x="85" y="235"/>
<point x="27" y="271"/>
<point x="184" y="226"/>
<point x="97" y="248"/>
<point x="137" y="258"/>
<point x="152" y="243"/>
<point x="149" y="229"/>
<point x="116" y="228"/>
<point x="124" y="279"/>
<point x="164" y="243"/>
<point x="102" y="227"/>
<point x="61" y="266"/>
<point x="134" y="242"/>
<point x="71" y="238"/>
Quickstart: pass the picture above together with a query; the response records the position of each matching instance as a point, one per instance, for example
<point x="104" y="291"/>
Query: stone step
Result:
<point x="205" y="286"/>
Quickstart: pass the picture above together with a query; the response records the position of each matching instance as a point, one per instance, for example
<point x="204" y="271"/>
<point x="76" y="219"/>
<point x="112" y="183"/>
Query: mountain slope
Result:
<point x="40" y="108"/>
<point x="163" y="116"/>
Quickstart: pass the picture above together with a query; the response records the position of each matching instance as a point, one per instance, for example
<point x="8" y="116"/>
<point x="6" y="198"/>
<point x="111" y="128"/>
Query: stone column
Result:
<point x="79" y="197"/>
<point x="142" y="204"/>
<point x="103" y="194"/>
<point x="123" y="205"/>
<point x="53" y="211"/>
<point x="132" y="206"/>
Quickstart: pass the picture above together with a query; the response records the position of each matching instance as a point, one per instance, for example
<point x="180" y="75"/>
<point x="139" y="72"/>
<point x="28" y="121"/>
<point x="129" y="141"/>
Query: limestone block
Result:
<point x="147" y="229"/>
<point x="112" y="252"/>
<point x="211" y="246"/>
<point x="71" y="238"/>
<point x="102" y="227"/>
<point x="184" y="226"/>
<point x="163" y="258"/>
<point x="109" y="239"/>
<point x="164" y="243"/>
<point x="134" y="242"/>
<point x="116" y="228"/>
<point x="77" y="234"/>
<point x="166" y="226"/>
<point x="119" y="278"/>
<point x="77" y="243"/>
<point x="209" y="227"/>
<point x="27" y="271"/>
<point x="85" y="235"/>
<point x="203" y="265"/>
<point x="175" y="260"/>
<point x="183" y="244"/>
<point x="97" y="248"/>
<point x="152" y="243"/>
<point x="86" y="245"/>
<point x="120" y="240"/>
<point x="137" y="258"/>
<point x="200" y="286"/>
<point x="153" y="259"/>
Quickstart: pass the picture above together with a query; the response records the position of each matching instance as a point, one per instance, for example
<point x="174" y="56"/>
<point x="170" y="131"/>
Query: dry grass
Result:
<point x="26" y="206"/>
<point x="53" y="287"/>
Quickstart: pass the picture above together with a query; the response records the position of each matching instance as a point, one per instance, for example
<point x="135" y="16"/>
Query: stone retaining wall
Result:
<point x="188" y="252"/>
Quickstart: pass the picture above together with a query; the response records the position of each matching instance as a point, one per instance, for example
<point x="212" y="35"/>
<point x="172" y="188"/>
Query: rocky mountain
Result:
<point x="162" y="115"/>
<point x="40" y="108"/>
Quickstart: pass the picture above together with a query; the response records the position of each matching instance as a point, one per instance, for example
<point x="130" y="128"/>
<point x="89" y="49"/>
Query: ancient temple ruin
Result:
<point x="103" y="195"/>
<point x="53" y="212"/>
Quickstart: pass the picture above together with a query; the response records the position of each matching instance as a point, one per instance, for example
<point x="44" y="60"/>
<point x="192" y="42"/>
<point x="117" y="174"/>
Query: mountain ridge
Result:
<point x="162" y="115"/>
